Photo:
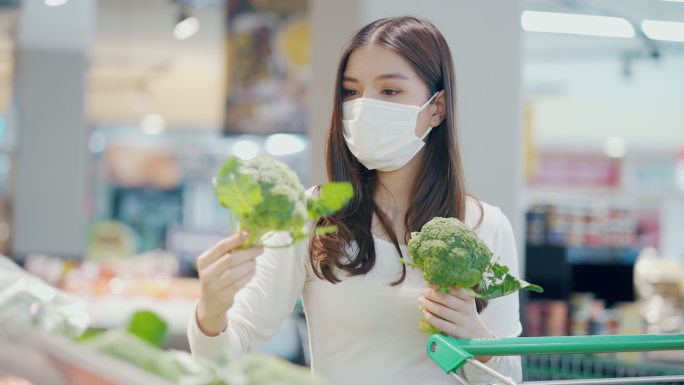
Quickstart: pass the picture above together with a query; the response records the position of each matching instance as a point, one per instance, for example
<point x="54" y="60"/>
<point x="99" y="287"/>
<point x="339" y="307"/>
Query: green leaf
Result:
<point x="509" y="284"/>
<point x="130" y="348"/>
<point x="473" y="293"/>
<point x="237" y="191"/>
<point x="499" y="288"/>
<point x="498" y="270"/>
<point x="531" y="287"/>
<point x="326" y="230"/>
<point x="332" y="197"/>
<point x="89" y="334"/>
<point x="147" y="326"/>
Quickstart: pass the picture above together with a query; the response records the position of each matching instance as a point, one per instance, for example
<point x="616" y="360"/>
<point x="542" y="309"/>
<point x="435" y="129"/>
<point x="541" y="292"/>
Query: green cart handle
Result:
<point x="451" y="353"/>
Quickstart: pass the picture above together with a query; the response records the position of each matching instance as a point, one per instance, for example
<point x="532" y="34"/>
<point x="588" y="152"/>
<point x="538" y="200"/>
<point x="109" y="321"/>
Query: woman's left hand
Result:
<point x="455" y="313"/>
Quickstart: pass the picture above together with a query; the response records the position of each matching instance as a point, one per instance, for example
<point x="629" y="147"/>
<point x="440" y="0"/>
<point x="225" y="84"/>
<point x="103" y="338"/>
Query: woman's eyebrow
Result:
<point x="379" y="77"/>
<point x="392" y="76"/>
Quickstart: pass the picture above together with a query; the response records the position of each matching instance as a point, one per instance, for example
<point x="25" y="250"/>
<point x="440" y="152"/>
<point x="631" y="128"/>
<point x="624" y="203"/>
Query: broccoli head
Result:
<point x="451" y="255"/>
<point x="266" y="198"/>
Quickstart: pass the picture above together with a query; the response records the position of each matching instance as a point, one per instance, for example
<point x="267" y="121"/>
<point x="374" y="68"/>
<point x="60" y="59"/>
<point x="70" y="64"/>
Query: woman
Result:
<point x="393" y="136"/>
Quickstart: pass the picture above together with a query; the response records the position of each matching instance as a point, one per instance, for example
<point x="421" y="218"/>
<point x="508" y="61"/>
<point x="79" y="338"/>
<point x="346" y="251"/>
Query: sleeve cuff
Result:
<point x="202" y="345"/>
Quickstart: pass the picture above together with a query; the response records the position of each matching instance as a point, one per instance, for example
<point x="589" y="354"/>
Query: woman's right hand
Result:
<point x="223" y="271"/>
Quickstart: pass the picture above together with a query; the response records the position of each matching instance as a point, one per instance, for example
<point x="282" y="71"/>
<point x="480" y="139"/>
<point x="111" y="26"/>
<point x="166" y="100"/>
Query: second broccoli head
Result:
<point x="266" y="198"/>
<point x="449" y="253"/>
<point x="452" y="255"/>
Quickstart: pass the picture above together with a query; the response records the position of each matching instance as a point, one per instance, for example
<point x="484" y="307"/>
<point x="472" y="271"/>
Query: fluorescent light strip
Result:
<point x="55" y="3"/>
<point x="590" y="25"/>
<point x="663" y="30"/>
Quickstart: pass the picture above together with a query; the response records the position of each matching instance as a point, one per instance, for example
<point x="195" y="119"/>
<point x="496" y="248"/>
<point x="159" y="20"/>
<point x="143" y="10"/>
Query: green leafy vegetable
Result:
<point x="267" y="198"/>
<point x="130" y="348"/>
<point x="451" y="255"/>
<point x="333" y="196"/>
<point x="89" y="334"/>
<point x="325" y="230"/>
<point x="267" y="370"/>
<point x="147" y="326"/>
<point x="180" y="367"/>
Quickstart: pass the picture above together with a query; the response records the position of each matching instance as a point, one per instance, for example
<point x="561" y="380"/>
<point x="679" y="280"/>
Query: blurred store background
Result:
<point x="116" y="114"/>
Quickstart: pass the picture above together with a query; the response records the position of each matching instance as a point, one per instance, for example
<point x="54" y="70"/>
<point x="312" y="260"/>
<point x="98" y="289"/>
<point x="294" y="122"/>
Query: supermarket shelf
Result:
<point x="601" y="256"/>
<point x="562" y="271"/>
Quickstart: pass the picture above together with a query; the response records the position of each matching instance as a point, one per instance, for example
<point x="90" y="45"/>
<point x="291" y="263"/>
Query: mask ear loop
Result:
<point x="429" y="100"/>
<point x="426" y="133"/>
<point x="422" y="137"/>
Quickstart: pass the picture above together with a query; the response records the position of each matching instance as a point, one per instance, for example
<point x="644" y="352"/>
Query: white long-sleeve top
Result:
<point x="361" y="330"/>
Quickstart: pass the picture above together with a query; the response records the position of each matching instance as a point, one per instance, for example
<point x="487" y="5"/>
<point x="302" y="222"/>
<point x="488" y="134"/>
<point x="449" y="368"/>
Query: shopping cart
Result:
<point x="452" y="354"/>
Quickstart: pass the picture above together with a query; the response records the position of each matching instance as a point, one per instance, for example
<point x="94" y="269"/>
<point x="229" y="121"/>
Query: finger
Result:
<point x="231" y="260"/>
<point x="235" y="286"/>
<point x="233" y="274"/>
<point x="461" y="294"/>
<point x="228" y="291"/>
<point x="241" y="256"/>
<point x="441" y="324"/>
<point x="446" y="299"/>
<point x="221" y="248"/>
<point x="440" y="310"/>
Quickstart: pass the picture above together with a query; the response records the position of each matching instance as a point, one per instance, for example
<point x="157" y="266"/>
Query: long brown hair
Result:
<point x="439" y="192"/>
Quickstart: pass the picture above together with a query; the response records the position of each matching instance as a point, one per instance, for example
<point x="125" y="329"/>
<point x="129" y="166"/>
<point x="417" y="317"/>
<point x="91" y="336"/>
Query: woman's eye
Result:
<point x="390" y="92"/>
<point x="348" y="93"/>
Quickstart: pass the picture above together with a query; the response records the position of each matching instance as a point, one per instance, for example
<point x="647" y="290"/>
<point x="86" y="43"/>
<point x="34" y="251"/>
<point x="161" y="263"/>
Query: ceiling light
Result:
<point x="615" y="147"/>
<point x="152" y="124"/>
<point x="55" y="3"/>
<point x="590" y="25"/>
<point x="186" y="27"/>
<point x="246" y="149"/>
<point x="284" y="144"/>
<point x="663" y="30"/>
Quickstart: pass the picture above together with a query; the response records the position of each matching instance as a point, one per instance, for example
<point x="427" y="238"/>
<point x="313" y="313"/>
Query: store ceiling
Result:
<point x="584" y="90"/>
<point x="139" y="67"/>
<point x="554" y="47"/>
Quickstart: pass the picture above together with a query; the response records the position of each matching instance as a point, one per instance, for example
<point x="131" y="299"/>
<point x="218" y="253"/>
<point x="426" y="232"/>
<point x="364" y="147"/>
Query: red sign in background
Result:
<point x="576" y="170"/>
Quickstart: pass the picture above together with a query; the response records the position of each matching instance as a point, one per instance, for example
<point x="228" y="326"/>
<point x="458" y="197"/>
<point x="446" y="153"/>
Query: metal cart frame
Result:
<point x="452" y="354"/>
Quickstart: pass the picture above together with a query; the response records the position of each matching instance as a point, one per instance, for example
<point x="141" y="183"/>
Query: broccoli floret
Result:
<point x="266" y="197"/>
<point x="426" y="328"/>
<point x="451" y="255"/>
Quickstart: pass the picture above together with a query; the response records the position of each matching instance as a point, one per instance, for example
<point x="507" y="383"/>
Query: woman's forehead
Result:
<point x="372" y="62"/>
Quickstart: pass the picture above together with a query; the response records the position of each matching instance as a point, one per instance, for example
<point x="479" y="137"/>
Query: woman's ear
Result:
<point x="438" y="113"/>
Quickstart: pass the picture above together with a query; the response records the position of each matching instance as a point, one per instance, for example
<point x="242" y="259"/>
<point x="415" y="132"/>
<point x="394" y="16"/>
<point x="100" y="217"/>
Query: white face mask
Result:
<point x="380" y="134"/>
